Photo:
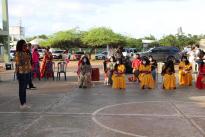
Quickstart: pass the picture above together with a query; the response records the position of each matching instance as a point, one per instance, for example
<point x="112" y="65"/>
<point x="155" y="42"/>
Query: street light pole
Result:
<point x="5" y="19"/>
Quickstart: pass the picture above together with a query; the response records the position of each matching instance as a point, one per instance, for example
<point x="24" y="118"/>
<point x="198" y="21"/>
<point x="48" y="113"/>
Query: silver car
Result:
<point x="101" y="56"/>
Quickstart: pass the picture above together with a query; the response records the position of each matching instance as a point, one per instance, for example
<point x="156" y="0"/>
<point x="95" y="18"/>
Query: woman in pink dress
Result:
<point x="35" y="65"/>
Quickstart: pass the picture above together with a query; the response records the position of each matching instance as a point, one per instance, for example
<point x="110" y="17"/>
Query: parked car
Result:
<point x="41" y="53"/>
<point x="12" y="54"/>
<point x="102" y="55"/>
<point x="161" y="54"/>
<point x="76" y="55"/>
<point x="66" y="55"/>
<point x="57" y="54"/>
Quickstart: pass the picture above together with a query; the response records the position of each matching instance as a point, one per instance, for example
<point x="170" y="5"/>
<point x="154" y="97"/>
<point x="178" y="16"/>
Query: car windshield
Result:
<point x="40" y="50"/>
<point x="12" y="51"/>
<point x="104" y="53"/>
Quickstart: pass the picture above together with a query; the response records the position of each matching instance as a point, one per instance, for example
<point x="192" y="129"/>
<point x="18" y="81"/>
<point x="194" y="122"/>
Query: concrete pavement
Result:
<point x="60" y="109"/>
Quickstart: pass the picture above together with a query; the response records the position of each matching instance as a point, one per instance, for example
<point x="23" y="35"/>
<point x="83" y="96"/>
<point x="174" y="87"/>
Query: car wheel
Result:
<point x="103" y="58"/>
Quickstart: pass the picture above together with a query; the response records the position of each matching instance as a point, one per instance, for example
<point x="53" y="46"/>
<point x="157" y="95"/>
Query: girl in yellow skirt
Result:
<point x="145" y="76"/>
<point x="119" y="76"/>
<point x="185" y="72"/>
<point x="168" y="73"/>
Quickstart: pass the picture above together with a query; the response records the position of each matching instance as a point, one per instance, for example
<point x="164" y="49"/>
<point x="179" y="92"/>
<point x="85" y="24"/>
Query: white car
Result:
<point x="57" y="54"/>
<point x="12" y="54"/>
<point x="41" y="53"/>
<point x="129" y="52"/>
<point x="102" y="55"/>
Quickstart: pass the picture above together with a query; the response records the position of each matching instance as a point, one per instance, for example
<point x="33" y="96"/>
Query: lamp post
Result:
<point x="5" y="32"/>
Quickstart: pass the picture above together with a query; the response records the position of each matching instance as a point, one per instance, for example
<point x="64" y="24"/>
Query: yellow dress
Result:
<point x="185" y="74"/>
<point x="119" y="79"/>
<point x="169" y="80"/>
<point x="145" y="77"/>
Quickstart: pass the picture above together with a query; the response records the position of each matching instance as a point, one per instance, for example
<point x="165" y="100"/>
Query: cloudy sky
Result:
<point x="137" y="18"/>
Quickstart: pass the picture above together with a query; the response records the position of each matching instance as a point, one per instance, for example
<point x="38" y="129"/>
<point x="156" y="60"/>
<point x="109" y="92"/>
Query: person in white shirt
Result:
<point x="192" y="58"/>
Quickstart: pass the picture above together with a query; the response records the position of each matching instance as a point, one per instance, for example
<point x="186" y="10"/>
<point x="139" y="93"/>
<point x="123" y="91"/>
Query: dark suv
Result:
<point x="162" y="53"/>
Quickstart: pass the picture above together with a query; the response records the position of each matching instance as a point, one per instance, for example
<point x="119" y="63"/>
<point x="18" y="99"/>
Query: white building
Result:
<point x="202" y="44"/>
<point x="17" y="32"/>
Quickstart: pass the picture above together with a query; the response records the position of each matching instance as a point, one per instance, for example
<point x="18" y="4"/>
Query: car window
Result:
<point x="79" y="52"/>
<point x="12" y="51"/>
<point x="104" y="53"/>
<point x="164" y="50"/>
<point x="154" y="50"/>
<point x="58" y="51"/>
<point x="175" y="50"/>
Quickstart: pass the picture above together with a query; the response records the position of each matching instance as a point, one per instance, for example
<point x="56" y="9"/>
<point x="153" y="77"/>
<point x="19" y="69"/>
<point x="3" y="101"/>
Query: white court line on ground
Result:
<point x="131" y="134"/>
<point x="137" y="115"/>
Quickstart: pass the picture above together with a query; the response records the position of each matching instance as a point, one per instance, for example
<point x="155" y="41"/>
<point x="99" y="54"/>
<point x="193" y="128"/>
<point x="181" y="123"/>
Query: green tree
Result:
<point x="101" y="37"/>
<point x="43" y="36"/>
<point x="169" y="40"/>
<point x="150" y="37"/>
<point x="133" y="43"/>
<point x="64" y="39"/>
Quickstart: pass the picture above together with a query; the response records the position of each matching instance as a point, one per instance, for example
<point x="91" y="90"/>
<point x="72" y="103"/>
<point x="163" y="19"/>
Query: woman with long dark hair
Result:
<point x="168" y="74"/>
<point x="145" y="76"/>
<point x="185" y="72"/>
<point x="85" y="72"/>
<point x="23" y="70"/>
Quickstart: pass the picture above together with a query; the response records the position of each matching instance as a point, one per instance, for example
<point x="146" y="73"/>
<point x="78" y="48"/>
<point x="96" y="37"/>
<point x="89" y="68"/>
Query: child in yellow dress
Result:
<point x="119" y="76"/>
<point x="185" y="72"/>
<point x="168" y="73"/>
<point x="145" y="76"/>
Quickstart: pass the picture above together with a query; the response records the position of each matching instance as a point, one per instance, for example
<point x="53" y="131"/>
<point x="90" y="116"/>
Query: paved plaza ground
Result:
<point x="61" y="109"/>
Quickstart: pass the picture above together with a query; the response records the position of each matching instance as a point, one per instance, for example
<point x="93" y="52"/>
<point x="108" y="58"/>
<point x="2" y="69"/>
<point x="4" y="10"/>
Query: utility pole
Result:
<point x="5" y="19"/>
